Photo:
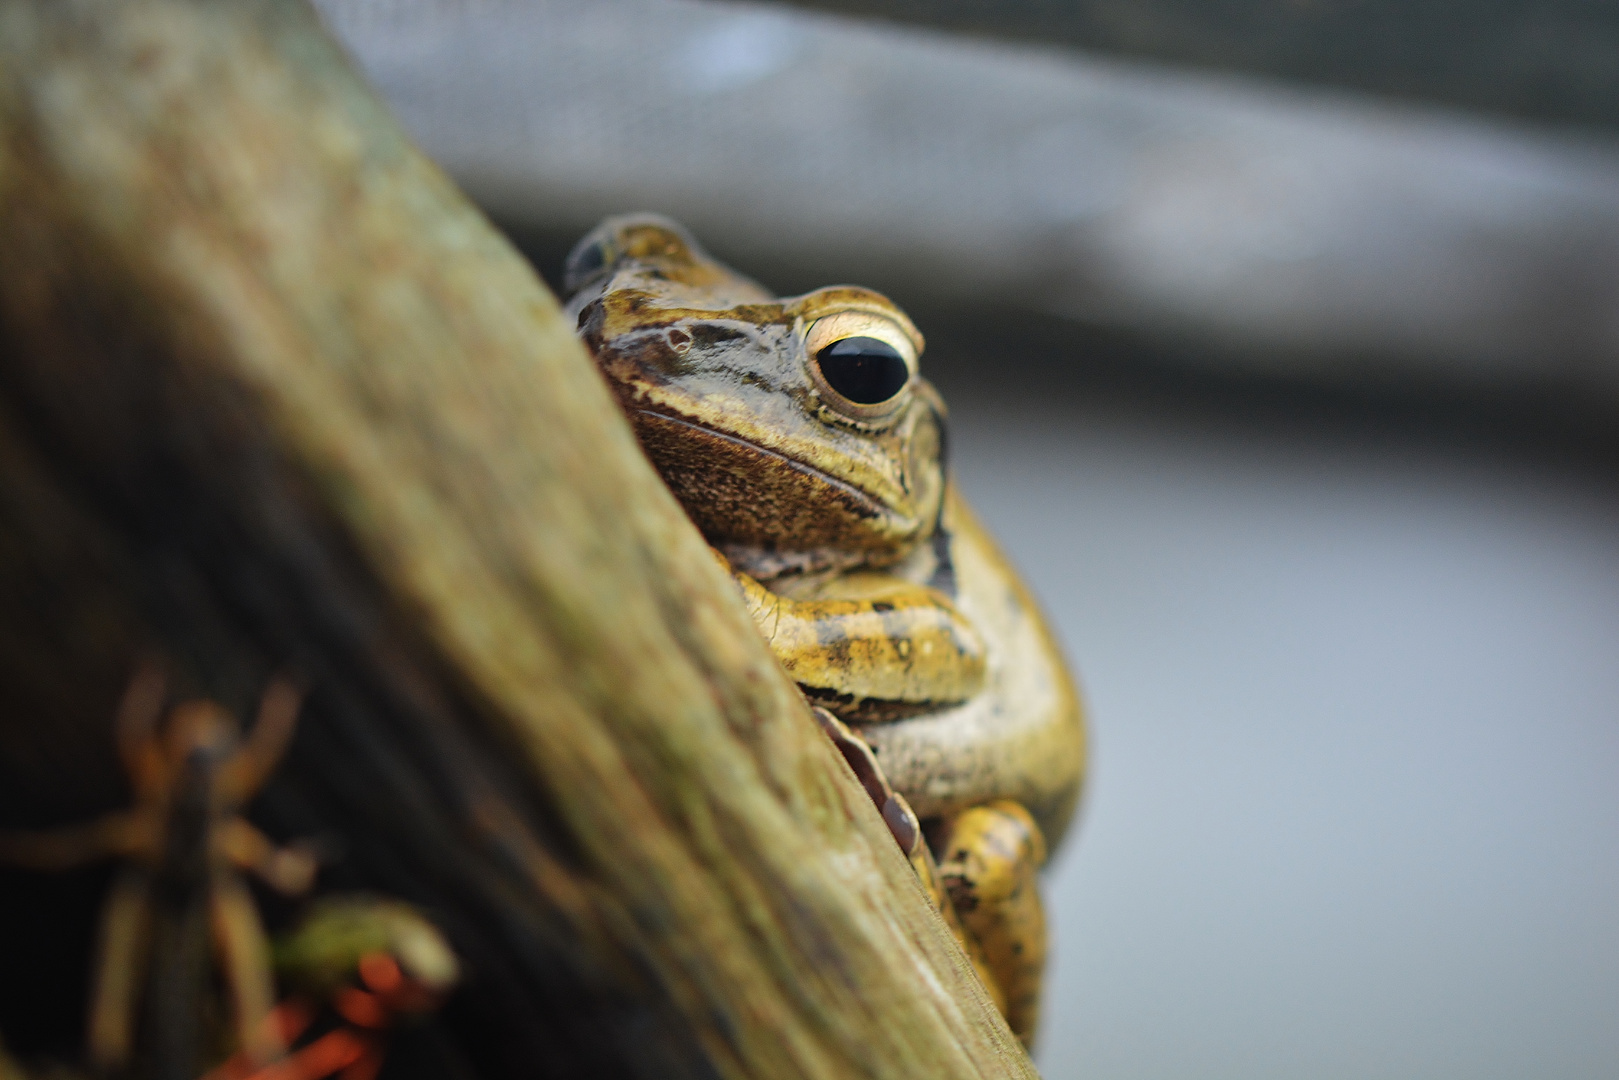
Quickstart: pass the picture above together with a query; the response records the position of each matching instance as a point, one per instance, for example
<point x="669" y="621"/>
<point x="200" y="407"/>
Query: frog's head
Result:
<point x="796" y="431"/>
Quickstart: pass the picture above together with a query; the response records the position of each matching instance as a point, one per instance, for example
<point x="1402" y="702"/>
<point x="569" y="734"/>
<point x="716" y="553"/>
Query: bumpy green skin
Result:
<point x="875" y="586"/>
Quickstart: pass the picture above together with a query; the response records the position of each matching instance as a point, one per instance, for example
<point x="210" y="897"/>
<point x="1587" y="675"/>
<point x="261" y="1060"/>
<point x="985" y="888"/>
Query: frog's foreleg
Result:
<point x="988" y="860"/>
<point x="901" y="647"/>
<point x="899" y="652"/>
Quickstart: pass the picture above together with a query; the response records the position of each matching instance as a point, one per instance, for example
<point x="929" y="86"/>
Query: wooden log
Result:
<point x="275" y="397"/>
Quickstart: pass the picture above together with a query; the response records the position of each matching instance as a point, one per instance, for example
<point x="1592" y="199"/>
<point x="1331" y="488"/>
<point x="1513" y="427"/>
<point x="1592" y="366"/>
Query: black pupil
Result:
<point x="864" y="370"/>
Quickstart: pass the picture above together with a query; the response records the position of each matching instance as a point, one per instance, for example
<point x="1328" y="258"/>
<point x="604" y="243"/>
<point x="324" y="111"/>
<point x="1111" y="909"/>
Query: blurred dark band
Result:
<point x="1550" y="60"/>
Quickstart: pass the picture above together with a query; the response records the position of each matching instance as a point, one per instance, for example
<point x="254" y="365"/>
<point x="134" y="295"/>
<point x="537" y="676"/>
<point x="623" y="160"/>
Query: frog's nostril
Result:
<point x="865" y="370"/>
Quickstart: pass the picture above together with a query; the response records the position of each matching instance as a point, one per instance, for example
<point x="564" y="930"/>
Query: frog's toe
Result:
<point x="988" y="862"/>
<point x="896" y="812"/>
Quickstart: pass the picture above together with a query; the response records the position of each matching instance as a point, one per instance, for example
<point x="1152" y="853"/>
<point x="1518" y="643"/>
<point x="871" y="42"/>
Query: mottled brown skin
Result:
<point x="874" y="585"/>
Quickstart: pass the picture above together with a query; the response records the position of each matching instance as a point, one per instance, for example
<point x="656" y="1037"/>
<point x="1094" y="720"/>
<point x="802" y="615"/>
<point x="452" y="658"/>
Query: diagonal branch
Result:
<point x="278" y="397"/>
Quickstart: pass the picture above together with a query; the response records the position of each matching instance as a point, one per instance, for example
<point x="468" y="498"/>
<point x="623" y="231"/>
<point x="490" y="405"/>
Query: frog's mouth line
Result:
<point x="868" y="502"/>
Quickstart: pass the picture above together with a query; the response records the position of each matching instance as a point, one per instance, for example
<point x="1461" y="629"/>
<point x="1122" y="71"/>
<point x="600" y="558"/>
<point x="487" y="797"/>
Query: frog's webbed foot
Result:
<point x="988" y="859"/>
<point x="896" y="812"/>
<point x="870" y="647"/>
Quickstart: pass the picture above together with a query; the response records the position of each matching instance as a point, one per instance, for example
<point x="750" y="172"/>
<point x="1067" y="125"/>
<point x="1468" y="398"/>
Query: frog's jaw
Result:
<point x="772" y="515"/>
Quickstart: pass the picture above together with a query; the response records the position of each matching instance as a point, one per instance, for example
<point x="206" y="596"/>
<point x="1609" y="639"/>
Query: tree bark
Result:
<point x="275" y="397"/>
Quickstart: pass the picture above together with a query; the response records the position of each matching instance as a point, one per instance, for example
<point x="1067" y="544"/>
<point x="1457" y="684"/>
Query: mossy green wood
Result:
<point x="272" y="393"/>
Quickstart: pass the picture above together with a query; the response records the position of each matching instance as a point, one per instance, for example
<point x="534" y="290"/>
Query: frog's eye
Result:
<point x="863" y="369"/>
<point x="863" y="362"/>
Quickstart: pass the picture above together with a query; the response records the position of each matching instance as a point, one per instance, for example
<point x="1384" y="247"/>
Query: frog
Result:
<point x="802" y="440"/>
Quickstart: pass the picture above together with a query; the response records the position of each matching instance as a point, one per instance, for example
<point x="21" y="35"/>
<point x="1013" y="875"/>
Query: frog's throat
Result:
<point x="744" y="495"/>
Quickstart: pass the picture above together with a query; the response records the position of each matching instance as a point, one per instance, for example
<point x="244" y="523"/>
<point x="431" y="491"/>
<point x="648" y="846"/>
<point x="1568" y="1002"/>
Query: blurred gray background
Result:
<point x="1296" y="403"/>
